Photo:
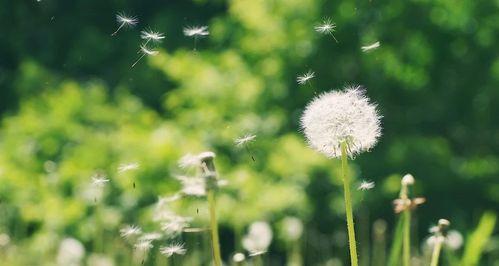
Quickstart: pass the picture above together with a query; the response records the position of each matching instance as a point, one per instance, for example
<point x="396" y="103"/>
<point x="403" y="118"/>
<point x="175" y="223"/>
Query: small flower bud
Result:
<point x="407" y="180"/>
<point x="443" y="223"/>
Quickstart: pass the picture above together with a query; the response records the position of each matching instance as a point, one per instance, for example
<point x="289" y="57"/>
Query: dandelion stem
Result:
<point x="348" y="205"/>
<point x="407" y="237"/>
<point x="119" y="28"/>
<point x="214" y="228"/>
<point x="138" y="60"/>
<point x="436" y="252"/>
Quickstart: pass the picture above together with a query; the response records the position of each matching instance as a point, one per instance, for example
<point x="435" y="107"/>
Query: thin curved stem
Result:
<point x="348" y="206"/>
<point x="407" y="237"/>
<point x="436" y="252"/>
<point x="215" y="242"/>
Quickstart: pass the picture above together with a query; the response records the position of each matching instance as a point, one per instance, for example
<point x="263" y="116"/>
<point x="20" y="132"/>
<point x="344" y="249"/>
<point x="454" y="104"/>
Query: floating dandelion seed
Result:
<point x="302" y="79"/>
<point x="196" y="32"/>
<point x="150" y="35"/>
<point x="370" y="47"/>
<point x="244" y="141"/>
<point x="125" y="167"/>
<point x="326" y="27"/>
<point x="150" y="236"/>
<point x="130" y="230"/>
<point x="124" y="21"/>
<point x="172" y="249"/>
<point x="340" y="117"/>
<point x="99" y="180"/>
<point x="145" y="51"/>
<point x="366" y="185"/>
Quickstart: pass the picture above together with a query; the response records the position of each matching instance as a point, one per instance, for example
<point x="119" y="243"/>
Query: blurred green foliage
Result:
<point x="72" y="106"/>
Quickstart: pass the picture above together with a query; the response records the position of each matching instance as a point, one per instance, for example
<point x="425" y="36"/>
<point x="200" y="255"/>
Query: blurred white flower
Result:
<point x="245" y="140"/>
<point x="130" y="230"/>
<point x="4" y="240"/>
<point x="238" y="257"/>
<point x="172" y="249"/>
<point x="367" y="48"/>
<point x="71" y="252"/>
<point x="124" y="21"/>
<point x="125" y="167"/>
<point x="341" y="116"/>
<point x="292" y="228"/>
<point x="258" y="239"/>
<point x="196" y="31"/>
<point x="454" y="240"/>
<point x="366" y="185"/>
<point x="190" y="160"/>
<point x="302" y="79"/>
<point x="99" y="260"/>
<point x="407" y="180"/>
<point x="192" y="186"/>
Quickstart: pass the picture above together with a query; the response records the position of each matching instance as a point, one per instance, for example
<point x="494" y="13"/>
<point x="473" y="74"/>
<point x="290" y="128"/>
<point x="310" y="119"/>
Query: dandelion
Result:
<point x="71" y="252"/>
<point x="304" y="78"/>
<point x="125" y="21"/>
<point x="258" y="239"/>
<point x="196" y="32"/>
<point x="326" y="27"/>
<point x="172" y="249"/>
<point x="99" y="180"/>
<point x="367" y="48"/>
<point x="342" y="124"/>
<point x="188" y="161"/>
<point x="145" y="51"/>
<point x="130" y="230"/>
<point x="244" y="141"/>
<point x="366" y="185"/>
<point x="438" y="239"/>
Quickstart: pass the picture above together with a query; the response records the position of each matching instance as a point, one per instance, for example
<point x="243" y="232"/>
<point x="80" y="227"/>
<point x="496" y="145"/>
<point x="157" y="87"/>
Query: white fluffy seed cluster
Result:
<point x="341" y="116"/>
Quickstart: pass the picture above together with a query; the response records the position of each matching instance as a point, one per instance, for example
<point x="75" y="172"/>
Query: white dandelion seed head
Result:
<point x="367" y="48"/>
<point x="432" y="240"/>
<point x="143" y="245"/>
<point x="292" y="228"/>
<point x="192" y="186"/>
<point x="366" y="185"/>
<point x="258" y="239"/>
<point x="150" y="35"/>
<point x="99" y="180"/>
<point x="238" y="257"/>
<point x="408" y="180"/>
<point x="326" y="27"/>
<point x="125" y="167"/>
<point x="245" y="140"/>
<point x="341" y="116"/>
<point x="148" y="51"/>
<point x="172" y="249"/>
<point x="130" y="230"/>
<point x="71" y="252"/>
<point x="190" y="160"/>
<point x="304" y="78"/>
<point x="196" y="31"/>
<point x="130" y="21"/>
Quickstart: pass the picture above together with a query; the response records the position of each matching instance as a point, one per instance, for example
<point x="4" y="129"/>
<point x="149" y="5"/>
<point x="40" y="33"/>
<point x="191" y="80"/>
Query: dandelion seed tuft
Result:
<point x="341" y="116"/>
<point x="367" y="48"/>
<point x="150" y="35"/>
<point x="245" y="140"/>
<point x="326" y="27"/>
<point x="99" y="180"/>
<point x="302" y="79"/>
<point x="366" y="185"/>
<point x="125" y="167"/>
<point x="130" y="230"/>
<point x="124" y="21"/>
<point x="172" y="249"/>
<point x="196" y="31"/>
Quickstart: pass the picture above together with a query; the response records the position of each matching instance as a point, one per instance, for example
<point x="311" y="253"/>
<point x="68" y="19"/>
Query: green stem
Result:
<point x="215" y="243"/>
<point x="348" y="206"/>
<point x="436" y="252"/>
<point x="407" y="237"/>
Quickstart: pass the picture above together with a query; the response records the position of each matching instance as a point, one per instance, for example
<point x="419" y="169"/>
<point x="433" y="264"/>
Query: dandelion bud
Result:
<point x="407" y="180"/>
<point x="238" y="257"/>
<point x="443" y="223"/>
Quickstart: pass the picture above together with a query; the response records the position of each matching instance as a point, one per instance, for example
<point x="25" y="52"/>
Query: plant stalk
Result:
<point x="436" y="252"/>
<point x="215" y="243"/>
<point x="348" y="206"/>
<point x="407" y="237"/>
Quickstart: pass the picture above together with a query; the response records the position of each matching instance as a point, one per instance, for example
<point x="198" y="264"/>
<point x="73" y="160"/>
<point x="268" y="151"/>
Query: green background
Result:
<point x="71" y="105"/>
